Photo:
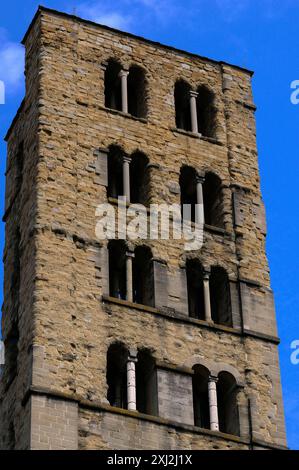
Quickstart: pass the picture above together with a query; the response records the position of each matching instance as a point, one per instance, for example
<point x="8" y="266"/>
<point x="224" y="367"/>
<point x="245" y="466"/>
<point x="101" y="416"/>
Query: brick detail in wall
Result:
<point x="54" y="424"/>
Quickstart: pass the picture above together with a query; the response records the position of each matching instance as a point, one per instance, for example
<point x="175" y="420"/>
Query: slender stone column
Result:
<point x="131" y="380"/>
<point x="213" y="405"/>
<point x="129" y="275"/>
<point x="123" y="74"/>
<point x="126" y="177"/>
<point x="206" y="293"/>
<point x="199" y="215"/>
<point x="193" y="110"/>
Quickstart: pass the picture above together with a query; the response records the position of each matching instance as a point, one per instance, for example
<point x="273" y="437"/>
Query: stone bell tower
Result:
<point x="134" y="344"/>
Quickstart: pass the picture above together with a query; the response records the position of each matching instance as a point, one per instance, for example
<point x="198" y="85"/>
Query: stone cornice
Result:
<point x="99" y="406"/>
<point x="177" y="317"/>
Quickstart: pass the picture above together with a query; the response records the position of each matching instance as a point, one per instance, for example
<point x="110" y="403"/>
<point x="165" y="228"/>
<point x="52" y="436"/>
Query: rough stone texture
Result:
<point x="64" y="326"/>
<point x="110" y="431"/>
<point x="1" y="357"/>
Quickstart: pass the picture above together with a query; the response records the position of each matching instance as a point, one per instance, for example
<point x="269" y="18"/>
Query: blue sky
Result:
<point x="258" y="34"/>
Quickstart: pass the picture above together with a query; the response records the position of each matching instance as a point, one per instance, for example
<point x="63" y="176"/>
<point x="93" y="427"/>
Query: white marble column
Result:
<point x="193" y="111"/>
<point x="131" y="380"/>
<point x="129" y="276"/>
<point x="206" y="293"/>
<point x="123" y="74"/>
<point x="126" y="177"/>
<point x="199" y="215"/>
<point x="213" y="405"/>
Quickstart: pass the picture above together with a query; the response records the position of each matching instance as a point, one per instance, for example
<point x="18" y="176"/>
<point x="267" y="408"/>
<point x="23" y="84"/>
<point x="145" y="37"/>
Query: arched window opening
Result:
<point x="115" y="172"/>
<point x="137" y="105"/>
<point x="188" y="191"/>
<point x="117" y="269"/>
<point x="139" y="179"/>
<point x="220" y="297"/>
<point x="206" y="112"/>
<point x="146" y="384"/>
<point x="143" y="277"/>
<point x="227" y="404"/>
<point x="213" y="200"/>
<point x="200" y="381"/>
<point x="182" y="105"/>
<point x="117" y="375"/>
<point x="194" y="273"/>
<point x="113" y="85"/>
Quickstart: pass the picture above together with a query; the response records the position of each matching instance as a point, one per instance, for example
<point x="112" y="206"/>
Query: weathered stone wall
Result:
<point x="66" y="322"/>
<point x="98" y="430"/>
<point x="19" y="287"/>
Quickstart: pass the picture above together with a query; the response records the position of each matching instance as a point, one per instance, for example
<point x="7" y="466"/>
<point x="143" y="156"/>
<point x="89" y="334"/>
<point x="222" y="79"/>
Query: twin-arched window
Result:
<point x="131" y="277"/>
<point x="195" y="111"/>
<point x="208" y="293"/>
<point x="128" y="175"/>
<point x="131" y="274"/>
<point x="205" y="192"/>
<point x="126" y="90"/>
<point x="215" y="401"/>
<point x="132" y="381"/>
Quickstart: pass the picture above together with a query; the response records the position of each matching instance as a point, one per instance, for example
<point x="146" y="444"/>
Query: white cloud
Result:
<point x="99" y="14"/>
<point x="11" y="65"/>
<point x="127" y="14"/>
<point x="115" y="20"/>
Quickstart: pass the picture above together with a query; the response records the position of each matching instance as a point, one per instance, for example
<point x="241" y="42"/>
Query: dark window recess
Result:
<point x="182" y="105"/>
<point x="146" y="384"/>
<point x="194" y="273"/>
<point x="113" y="85"/>
<point x="115" y="172"/>
<point x="117" y="375"/>
<point x="117" y="269"/>
<point x="137" y="92"/>
<point x="227" y="404"/>
<point x="139" y="179"/>
<point x="143" y="276"/>
<point x="220" y="297"/>
<point x="213" y="200"/>
<point x="188" y="192"/>
<point x="206" y="112"/>
<point x="200" y="397"/>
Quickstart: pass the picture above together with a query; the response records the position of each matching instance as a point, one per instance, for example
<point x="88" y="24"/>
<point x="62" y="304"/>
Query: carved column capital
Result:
<point x="123" y="73"/>
<point x="193" y="94"/>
